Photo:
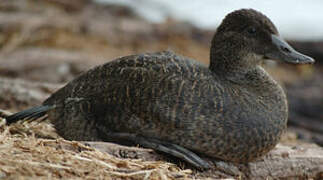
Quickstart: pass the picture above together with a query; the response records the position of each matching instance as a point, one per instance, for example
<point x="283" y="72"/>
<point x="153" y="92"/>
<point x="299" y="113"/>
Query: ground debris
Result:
<point x="23" y="156"/>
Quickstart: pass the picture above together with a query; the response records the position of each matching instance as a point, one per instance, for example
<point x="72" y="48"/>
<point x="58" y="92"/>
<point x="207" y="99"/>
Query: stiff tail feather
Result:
<point x="29" y="114"/>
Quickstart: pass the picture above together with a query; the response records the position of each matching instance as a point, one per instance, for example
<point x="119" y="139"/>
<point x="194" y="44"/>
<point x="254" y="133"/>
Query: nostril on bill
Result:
<point x="285" y="49"/>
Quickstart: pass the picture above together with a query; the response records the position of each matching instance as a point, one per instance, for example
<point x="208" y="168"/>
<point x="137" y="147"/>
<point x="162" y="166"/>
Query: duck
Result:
<point x="231" y="110"/>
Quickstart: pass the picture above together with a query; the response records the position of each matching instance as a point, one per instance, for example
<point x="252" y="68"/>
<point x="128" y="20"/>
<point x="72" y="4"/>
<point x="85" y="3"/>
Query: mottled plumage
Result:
<point x="232" y="110"/>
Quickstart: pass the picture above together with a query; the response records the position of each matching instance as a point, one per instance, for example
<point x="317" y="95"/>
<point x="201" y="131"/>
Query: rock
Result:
<point x="45" y="65"/>
<point x="18" y="94"/>
<point x="305" y="106"/>
<point x="301" y="161"/>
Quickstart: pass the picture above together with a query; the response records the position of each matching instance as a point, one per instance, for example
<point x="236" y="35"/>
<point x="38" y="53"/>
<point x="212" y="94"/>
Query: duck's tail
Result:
<point x="29" y="114"/>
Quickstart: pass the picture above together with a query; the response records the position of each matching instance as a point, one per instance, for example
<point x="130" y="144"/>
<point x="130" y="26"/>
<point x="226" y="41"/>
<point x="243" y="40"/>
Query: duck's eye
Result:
<point x="252" y="30"/>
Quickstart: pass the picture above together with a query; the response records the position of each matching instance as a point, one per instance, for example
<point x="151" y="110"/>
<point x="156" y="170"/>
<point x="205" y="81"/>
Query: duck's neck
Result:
<point x="259" y="84"/>
<point x="227" y="55"/>
<point x="256" y="80"/>
<point x="230" y="60"/>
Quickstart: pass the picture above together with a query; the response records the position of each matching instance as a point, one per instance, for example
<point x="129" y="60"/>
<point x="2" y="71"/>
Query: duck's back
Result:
<point x="174" y="99"/>
<point x="159" y="94"/>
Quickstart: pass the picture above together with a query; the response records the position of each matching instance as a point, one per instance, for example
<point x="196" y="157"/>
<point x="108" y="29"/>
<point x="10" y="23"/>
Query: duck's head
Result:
<point x="245" y="38"/>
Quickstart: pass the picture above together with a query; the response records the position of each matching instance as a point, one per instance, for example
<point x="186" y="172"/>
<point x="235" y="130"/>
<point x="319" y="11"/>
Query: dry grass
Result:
<point x="25" y="156"/>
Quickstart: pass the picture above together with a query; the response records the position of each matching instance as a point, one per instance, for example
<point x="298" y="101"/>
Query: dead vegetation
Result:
<point x="22" y="155"/>
<point x="33" y="150"/>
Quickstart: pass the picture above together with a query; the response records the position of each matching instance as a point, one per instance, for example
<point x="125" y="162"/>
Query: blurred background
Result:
<point x="46" y="43"/>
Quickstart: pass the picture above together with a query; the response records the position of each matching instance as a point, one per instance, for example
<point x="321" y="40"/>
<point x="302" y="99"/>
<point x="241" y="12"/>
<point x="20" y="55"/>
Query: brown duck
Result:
<point x="232" y="110"/>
